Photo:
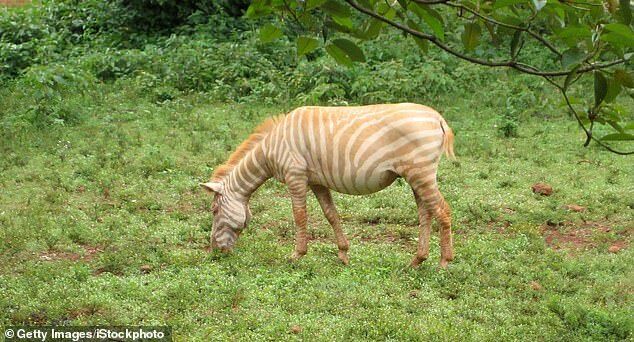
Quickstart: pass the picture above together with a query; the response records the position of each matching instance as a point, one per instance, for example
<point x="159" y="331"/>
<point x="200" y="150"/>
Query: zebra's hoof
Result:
<point x="417" y="260"/>
<point x="343" y="256"/>
<point x="296" y="256"/>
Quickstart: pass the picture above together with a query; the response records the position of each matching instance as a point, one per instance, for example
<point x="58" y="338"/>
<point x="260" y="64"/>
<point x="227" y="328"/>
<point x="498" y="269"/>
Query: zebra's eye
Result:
<point x="215" y="207"/>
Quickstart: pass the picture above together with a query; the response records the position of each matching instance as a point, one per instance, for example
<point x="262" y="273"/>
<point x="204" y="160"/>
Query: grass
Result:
<point x="103" y="223"/>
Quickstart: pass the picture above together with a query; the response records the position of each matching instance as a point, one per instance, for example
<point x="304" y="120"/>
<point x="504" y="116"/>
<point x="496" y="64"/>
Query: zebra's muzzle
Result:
<point x="224" y="240"/>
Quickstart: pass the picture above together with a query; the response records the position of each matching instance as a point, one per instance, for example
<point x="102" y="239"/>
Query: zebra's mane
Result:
<point x="247" y="145"/>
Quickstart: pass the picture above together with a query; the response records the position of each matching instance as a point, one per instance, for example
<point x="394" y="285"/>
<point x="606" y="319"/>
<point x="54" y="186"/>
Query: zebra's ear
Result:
<point x="216" y="187"/>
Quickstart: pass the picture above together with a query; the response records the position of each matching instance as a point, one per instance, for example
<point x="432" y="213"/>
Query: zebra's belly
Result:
<point x="354" y="184"/>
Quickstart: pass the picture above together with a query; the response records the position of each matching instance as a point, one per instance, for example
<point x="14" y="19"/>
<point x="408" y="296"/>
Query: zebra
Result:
<point x="352" y="150"/>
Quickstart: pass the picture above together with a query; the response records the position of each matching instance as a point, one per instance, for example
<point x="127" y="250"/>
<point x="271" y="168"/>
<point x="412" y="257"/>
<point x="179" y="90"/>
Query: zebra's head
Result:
<point x="231" y="216"/>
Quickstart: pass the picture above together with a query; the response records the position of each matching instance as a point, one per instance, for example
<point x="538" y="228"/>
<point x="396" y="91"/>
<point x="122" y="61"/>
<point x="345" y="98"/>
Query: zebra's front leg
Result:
<point x="298" y="186"/>
<point x="424" y="231"/>
<point x="330" y="211"/>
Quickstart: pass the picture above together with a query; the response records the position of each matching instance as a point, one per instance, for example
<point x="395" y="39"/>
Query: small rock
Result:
<point x="296" y="329"/>
<point x="145" y="269"/>
<point x="614" y="249"/>
<point x="536" y="286"/>
<point x="542" y="189"/>
<point x="575" y="208"/>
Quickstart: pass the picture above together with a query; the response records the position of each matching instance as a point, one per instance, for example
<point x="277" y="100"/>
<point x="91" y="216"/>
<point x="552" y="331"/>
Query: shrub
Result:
<point x="42" y="95"/>
<point x="156" y="15"/>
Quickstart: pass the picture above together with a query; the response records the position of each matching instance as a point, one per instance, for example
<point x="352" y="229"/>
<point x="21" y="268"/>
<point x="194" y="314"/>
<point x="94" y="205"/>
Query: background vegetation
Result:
<point x="109" y="121"/>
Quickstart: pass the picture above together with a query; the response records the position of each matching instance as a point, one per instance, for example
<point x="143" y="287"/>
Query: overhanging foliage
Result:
<point x="590" y="40"/>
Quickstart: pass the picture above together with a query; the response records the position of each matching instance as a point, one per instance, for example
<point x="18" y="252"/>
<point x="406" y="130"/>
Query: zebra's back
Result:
<point x="360" y="150"/>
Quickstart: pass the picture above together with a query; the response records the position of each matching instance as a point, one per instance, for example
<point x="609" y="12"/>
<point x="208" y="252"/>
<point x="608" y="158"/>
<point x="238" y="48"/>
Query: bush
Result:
<point x="156" y="15"/>
<point x="40" y="96"/>
<point x="85" y="42"/>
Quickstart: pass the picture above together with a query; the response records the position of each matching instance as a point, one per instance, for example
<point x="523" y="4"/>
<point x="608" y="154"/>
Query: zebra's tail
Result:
<point x="447" y="143"/>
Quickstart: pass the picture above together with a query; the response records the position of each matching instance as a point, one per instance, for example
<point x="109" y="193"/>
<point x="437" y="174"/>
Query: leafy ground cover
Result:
<point x="105" y="133"/>
<point x="103" y="223"/>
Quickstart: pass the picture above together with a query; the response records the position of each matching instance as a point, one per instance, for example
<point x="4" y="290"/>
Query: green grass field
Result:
<point x="103" y="222"/>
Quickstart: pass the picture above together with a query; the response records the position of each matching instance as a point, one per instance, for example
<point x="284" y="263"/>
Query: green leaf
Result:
<point x="617" y="39"/>
<point x="571" y="76"/>
<point x="572" y="57"/>
<point x="624" y="78"/>
<point x="335" y="26"/>
<point x="339" y="55"/>
<point x="629" y="126"/>
<point x="258" y="9"/>
<point x="619" y="34"/>
<point x="422" y="43"/>
<point x="386" y="10"/>
<point x="625" y="12"/>
<point x="618" y="137"/>
<point x="621" y="29"/>
<point x="343" y="21"/>
<point x="269" y="33"/>
<point x="505" y="3"/>
<point x="614" y="88"/>
<point x="509" y="19"/>
<point x="600" y="88"/>
<point x="306" y="45"/>
<point x="516" y="43"/>
<point x="471" y="36"/>
<point x="374" y="28"/>
<point x="350" y="48"/>
<point x="336" y="9"/>
<point x="431" y="17"/>
<point x="575" y="31"/>
<point x="616" y="126"/>
<point x="495" y="38"/>
<point x="310" y="4"/>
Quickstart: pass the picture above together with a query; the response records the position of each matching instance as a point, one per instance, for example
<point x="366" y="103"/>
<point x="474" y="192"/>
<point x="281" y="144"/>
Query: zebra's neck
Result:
<point x="247" y="176"/>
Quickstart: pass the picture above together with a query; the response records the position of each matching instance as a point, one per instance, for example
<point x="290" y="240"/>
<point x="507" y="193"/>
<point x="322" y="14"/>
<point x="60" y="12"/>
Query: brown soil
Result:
<point x="581" y="236"/>
<point x="542" y="189"/>
<point x="83" y="312"/>
<point x="90" y="252"/>
<point x="575" y="208"/>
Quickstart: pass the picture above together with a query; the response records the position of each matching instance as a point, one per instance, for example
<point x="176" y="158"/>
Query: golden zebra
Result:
<point x="352" y="150"/>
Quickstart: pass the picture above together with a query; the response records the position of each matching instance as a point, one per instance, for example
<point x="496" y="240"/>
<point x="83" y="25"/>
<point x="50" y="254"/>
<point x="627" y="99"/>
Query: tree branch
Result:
<point x="589" y="135"/>
<point x="532" y="33"/>
<point x="511" y="64"/>
<point x="528" y="69"/>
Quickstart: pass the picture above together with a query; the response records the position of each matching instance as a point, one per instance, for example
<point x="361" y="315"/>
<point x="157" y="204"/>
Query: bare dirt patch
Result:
<point x="90" y="252"/>
<point x="581" y="236"/>
<point x="617" y="246"/>
<point x="84" y="311"/>
<point x="542" y="189"/>
<point x="575" y="208"/>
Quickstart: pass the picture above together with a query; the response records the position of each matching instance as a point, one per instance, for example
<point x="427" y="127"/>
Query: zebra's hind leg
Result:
<point x="330" y="211"/>
<point x="424" y="231"/>
<point x="298" y="186"/>
<point x="446" y="240"/>
<point x="426" y="188"/>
